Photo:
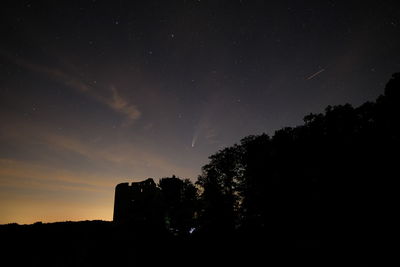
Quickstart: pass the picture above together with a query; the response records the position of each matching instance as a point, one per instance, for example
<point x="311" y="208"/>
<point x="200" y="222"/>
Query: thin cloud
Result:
<point x="121" y="105"/>
<point x="121" y="155"/>
<point x="18" y="173"/>
<point x="109" y="97"/>
<point x="134" y="160"/>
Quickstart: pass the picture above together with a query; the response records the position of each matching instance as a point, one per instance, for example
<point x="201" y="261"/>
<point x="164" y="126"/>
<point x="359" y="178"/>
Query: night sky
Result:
<point x="94" y="93"/>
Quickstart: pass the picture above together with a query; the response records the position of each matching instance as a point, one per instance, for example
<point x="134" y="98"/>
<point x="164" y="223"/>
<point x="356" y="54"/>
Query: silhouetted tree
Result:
<point x="219" y="182"/>
<point x="179" y="199"/>
<point x="336" y="167"/>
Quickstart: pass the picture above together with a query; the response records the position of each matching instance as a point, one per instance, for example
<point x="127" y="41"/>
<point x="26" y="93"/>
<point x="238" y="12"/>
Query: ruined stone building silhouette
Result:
<point x="137" y="202"/>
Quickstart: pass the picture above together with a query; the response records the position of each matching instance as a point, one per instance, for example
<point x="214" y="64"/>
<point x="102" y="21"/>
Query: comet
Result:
<point x="194" y="140"/>
<point x="315" y="74"/>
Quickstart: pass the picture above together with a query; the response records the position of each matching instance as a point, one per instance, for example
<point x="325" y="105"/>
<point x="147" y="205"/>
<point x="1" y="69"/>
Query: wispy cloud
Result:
<point x="120" y="104"/>
<point x="143" y="162"/>
<point x="106" y="95"/>
<point x="19" y="173"/>
<point x="118" y="158"/>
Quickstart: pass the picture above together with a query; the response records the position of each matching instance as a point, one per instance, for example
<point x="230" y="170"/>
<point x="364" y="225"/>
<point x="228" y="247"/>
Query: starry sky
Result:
<point x="94" y="93"/>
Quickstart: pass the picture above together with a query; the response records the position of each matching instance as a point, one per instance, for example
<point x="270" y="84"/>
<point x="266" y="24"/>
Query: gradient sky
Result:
<point x="94" y="93"/>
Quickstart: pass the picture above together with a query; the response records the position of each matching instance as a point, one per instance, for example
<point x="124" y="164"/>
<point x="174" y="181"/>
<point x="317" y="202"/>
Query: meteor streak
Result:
<point x="315" y="74"/>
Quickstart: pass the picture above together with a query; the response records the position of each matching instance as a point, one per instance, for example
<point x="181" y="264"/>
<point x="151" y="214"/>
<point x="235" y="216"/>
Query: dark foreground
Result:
<point x="100" y="243"/>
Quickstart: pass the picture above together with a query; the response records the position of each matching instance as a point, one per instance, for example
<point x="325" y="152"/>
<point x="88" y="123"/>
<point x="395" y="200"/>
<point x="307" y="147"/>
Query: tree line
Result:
<point x="334" y="170"/>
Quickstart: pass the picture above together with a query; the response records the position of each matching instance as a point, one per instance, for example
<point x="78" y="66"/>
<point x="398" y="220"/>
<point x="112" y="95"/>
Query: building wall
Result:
<point x="136" y="202"/>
